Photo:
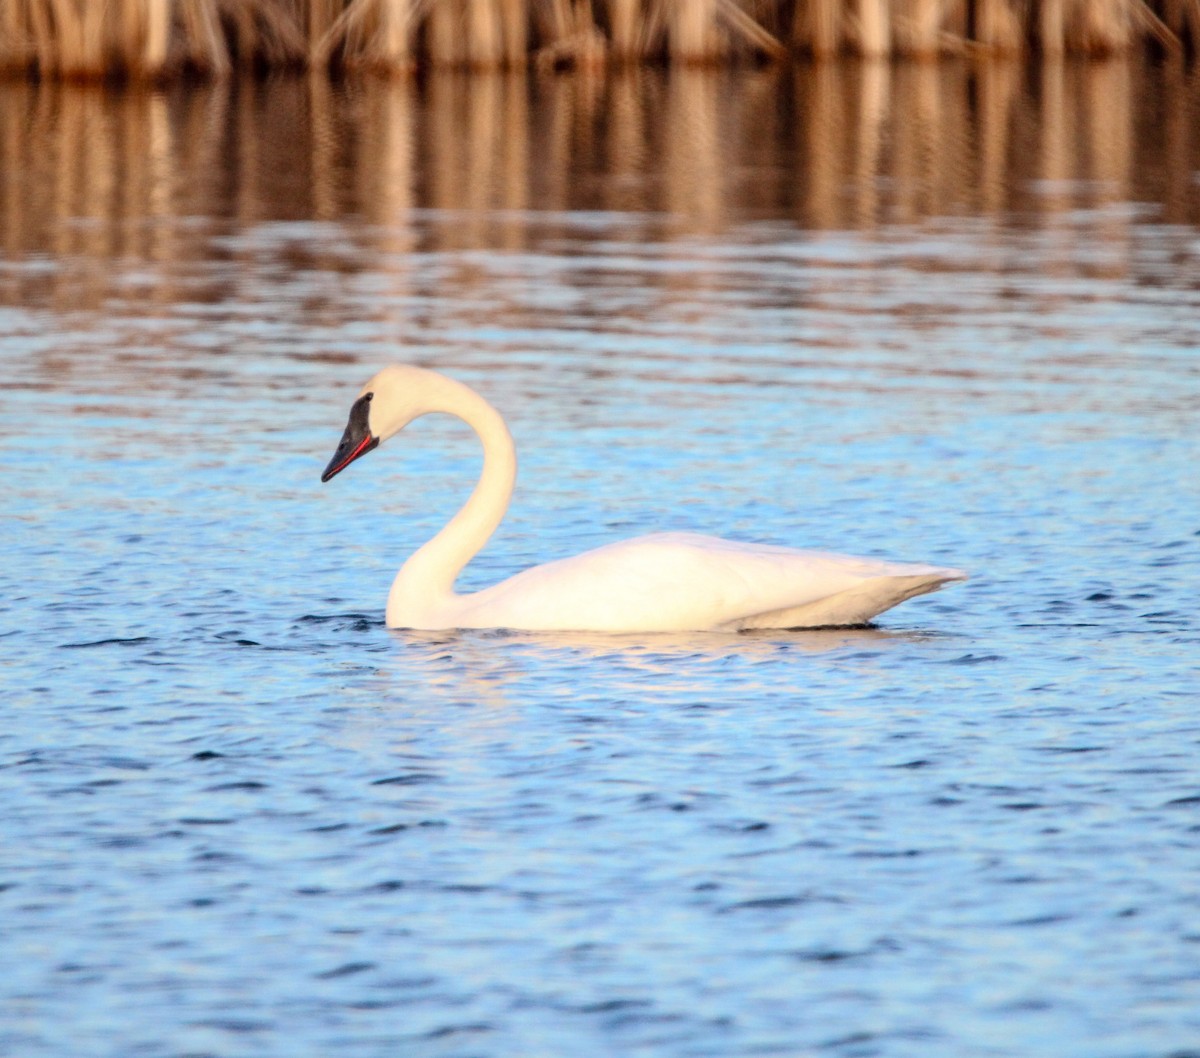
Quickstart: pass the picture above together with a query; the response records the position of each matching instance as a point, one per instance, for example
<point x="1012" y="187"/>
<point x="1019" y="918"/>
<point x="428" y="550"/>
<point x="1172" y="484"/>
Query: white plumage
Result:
<point x="659" y="583"/>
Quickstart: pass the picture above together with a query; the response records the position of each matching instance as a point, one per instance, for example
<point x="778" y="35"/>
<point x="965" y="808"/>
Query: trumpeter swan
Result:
<point x="666" y="582"/>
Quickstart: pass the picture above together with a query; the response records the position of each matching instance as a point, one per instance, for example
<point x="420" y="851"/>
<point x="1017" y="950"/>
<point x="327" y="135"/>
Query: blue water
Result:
<point x="241" y="817"/>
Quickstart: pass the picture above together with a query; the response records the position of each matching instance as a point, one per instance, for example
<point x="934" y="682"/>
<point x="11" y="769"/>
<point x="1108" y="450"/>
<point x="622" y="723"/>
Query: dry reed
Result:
<point x="81" y="39"/>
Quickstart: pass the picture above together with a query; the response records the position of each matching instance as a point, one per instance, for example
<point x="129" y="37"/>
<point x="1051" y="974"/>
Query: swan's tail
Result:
<point x="857" y="605"/>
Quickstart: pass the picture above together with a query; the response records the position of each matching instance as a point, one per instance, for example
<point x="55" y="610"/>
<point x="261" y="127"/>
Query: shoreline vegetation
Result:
<point x="161" y="39"/>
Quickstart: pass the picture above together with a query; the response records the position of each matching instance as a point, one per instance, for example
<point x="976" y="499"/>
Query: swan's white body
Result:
<point x="666" y="582"/>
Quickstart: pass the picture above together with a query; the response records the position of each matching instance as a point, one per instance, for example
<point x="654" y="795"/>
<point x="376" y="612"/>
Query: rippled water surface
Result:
<point x="937" y="314"/>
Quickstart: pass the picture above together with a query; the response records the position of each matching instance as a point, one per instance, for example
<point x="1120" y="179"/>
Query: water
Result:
<point x="940" y="314"/>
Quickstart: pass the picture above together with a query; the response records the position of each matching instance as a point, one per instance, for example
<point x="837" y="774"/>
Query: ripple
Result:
<point x="240" y="812"/>
<point x="345" y="970"/>
<point x="133" y="641"/>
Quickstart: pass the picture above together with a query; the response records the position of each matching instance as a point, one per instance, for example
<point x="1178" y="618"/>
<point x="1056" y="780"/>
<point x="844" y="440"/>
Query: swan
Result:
<point x="664" y="582"/>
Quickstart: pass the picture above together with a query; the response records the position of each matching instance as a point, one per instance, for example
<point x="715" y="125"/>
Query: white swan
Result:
<point x="666" y="582"/>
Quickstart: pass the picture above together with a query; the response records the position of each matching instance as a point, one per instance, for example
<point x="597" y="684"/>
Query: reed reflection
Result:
<point x="146" y="175"/>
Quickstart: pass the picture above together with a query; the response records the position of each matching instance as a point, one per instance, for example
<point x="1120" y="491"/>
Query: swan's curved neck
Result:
<point x="428" y="576"/>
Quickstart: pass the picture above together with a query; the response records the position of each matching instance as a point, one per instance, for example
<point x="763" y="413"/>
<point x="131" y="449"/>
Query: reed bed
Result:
<point x="154" y="39"/>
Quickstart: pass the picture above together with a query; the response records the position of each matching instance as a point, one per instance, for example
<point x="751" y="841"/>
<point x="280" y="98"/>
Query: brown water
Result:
<point x="944" y="313"/>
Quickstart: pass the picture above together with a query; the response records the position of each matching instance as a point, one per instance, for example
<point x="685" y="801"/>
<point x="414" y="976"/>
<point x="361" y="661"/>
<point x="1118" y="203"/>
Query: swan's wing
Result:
<point x="677" y="581"/>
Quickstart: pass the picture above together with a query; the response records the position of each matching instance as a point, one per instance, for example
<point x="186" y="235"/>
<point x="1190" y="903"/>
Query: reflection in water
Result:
<point x="657" y="654"/>
<point x="500" y="679"/>
<point x="107" y="175"/>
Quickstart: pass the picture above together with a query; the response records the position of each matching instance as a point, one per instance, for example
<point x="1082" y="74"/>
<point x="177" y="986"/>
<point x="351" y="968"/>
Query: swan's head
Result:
<point x="385" y="405"/>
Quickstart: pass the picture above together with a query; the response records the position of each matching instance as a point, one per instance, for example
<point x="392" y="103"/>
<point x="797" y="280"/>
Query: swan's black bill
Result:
<point x="356" y="441"/>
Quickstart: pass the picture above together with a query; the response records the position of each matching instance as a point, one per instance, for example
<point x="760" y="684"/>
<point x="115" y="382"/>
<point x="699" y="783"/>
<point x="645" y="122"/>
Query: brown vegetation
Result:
<point x="156" y="38"/>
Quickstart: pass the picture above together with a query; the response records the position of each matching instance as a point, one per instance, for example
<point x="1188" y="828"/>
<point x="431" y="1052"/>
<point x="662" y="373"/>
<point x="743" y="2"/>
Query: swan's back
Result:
<point x="686" y="582"/>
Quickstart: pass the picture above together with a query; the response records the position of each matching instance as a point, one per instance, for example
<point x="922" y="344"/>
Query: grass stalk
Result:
<point x="1102" y="27"/>
<point x="318" y="19"/>
<point x="753" y="34"/>
<point x="1052" y="27"/>
<point x="874" y="29"/>
<point x="623" y="33"/>
<point x="691" y="31"/>
<point x="484" y="36"/>
<point x="997" y="26"/>
<point x="203" y="44"/>
<point x="817" y="27"/>
<point x="155" y="40"/>
<point x="918" y="33"/>
<point x="392" y="48"/>
<point x="10" y="44"/>
<point x="514" y="25"/>
<point x="444" y="36"/>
